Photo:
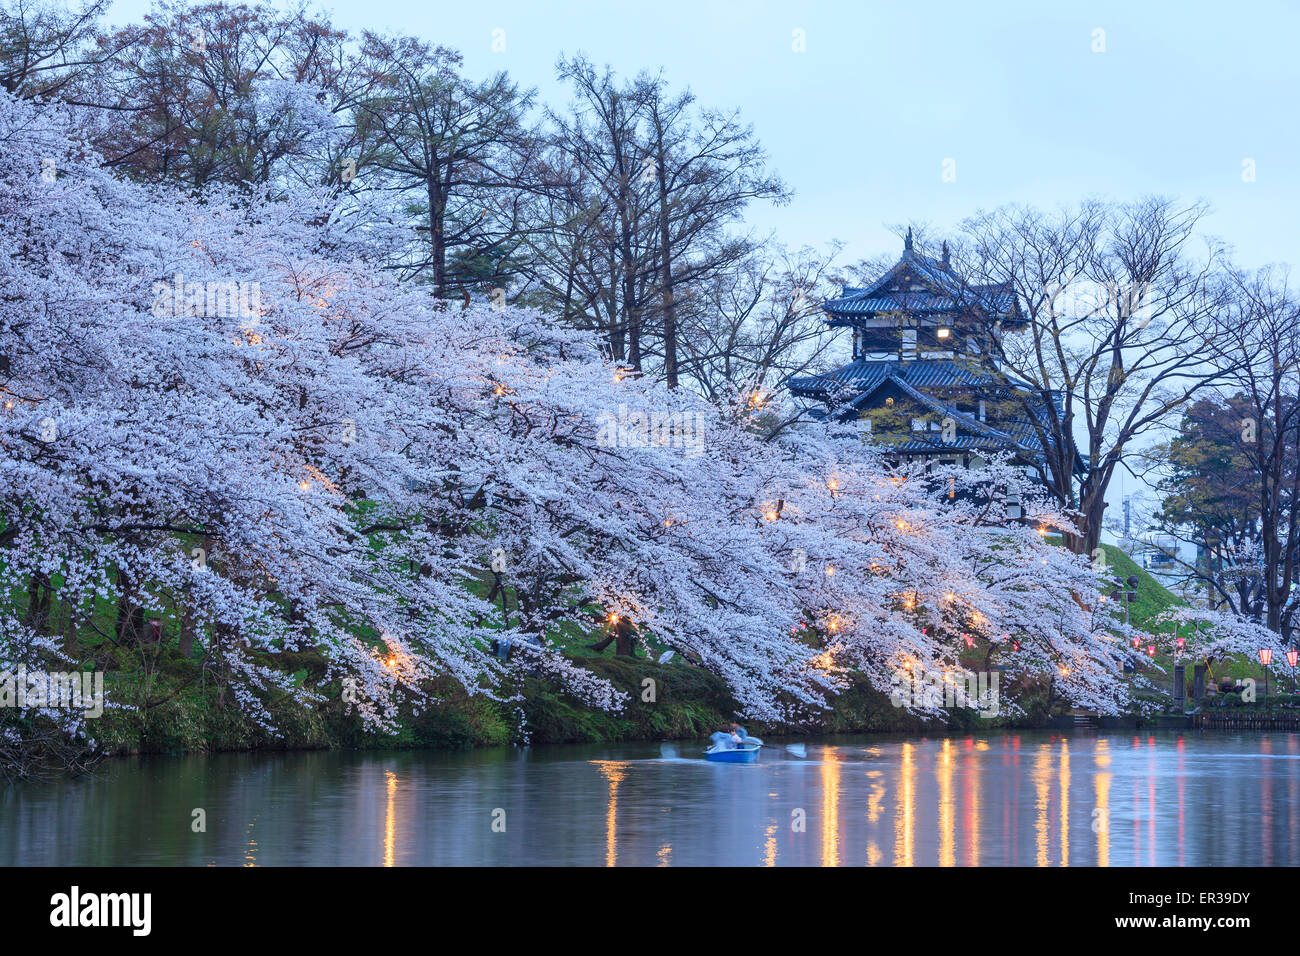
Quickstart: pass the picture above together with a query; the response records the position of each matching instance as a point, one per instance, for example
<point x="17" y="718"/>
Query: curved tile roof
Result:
<point x="922" y="373"/>
<point x="942" y="290"/>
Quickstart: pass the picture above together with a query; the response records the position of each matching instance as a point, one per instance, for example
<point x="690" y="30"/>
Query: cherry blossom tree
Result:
<point x="224" y="415"/>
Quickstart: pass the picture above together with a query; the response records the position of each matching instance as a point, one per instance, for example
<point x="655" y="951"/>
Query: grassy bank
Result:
<point x="173" y="705"/>
<point x="174" y="710"/>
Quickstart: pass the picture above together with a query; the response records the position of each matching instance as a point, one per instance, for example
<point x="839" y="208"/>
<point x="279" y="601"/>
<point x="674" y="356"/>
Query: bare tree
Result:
<point x="1261" y="352"/>
<point x="1121" y="317"/>
<point x="46" y="47"/>
<point x="759" y="323"/>
<point x="704" y="177"/>
<point x="213" y="94"/>
<point x="604" y="168"/>
<point x="452" y="147"/>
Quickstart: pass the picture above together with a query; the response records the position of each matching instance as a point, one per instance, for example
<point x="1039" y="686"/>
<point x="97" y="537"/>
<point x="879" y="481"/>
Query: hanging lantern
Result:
<point x="1182" y="643"/>
<point x="1151" y="650"/>
<point x="970" y="641"/>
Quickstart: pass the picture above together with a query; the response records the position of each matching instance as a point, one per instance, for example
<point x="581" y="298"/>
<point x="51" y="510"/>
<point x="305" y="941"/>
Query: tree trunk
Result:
<point x="38" y="603"/>
<point x="130" y="616"/>
<point x="437" y="250"/>
<point x="670" y="308"/>
<point x="187" y="633"/>
<point x="623" y="632"/>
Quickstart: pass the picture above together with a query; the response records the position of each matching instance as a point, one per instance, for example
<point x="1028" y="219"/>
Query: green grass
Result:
<point x="179" y="709"/>
<point x="1153" y="598"/>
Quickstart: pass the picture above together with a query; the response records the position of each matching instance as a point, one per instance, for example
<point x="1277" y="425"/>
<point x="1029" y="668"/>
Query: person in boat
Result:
<point x="740" y="733"/>
<point x="725" y="739"/>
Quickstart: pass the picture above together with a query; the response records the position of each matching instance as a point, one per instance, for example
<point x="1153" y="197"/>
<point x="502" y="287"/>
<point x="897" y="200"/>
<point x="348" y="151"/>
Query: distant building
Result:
<point x="924" y="378"/>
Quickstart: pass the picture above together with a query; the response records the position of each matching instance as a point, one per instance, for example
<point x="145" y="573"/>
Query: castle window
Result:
<point x="874" y="340"/>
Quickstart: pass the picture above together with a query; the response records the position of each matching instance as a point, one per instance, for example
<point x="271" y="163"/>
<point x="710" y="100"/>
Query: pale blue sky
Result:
<point x="861" y="122"/>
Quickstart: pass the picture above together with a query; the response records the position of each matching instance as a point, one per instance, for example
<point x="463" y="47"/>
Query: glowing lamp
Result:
<point x="1151" y="650"/>
<point x="944" y="333"/>
<point x="1182" y="643"/>
<point x="970" y="641"/>
<point x="1266" y="655"/>
<point x="1293" y="657"/>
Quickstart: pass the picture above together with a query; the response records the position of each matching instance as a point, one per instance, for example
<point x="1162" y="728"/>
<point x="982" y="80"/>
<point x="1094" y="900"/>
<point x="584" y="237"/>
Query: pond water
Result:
<point x="1084" y="799"/>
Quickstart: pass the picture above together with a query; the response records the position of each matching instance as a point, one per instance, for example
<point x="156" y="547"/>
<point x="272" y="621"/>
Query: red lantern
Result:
<point x="1015" y="645"/>
<point x="1137" y="642"/>
<point x="970" y="641"/>
<point x="1151" y="650"/>
<point x="1182" y="643"/>
<point x="1266" y="655"/>
<point x="1293" y="657"/>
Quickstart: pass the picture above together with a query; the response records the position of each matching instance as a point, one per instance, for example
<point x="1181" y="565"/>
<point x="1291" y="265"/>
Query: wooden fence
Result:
<point x="1247" y="721"/>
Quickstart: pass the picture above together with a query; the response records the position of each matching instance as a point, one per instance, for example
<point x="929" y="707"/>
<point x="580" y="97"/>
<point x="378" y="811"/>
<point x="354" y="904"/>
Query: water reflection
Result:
<point x="1027" y="799"/>
<point x="830" y="808"/>
<point x="390" y="819"/>
<point x="1101" y="795"/>
<point x="906" y="811"/>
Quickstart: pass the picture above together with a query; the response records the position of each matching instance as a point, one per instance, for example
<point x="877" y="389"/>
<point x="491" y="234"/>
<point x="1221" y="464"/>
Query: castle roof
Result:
<point x="855" y="387"/>
<point x="921" y="285"/>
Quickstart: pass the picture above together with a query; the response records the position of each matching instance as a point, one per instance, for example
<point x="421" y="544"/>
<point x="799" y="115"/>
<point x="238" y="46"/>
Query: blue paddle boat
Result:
<point x="746" y="752"/>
